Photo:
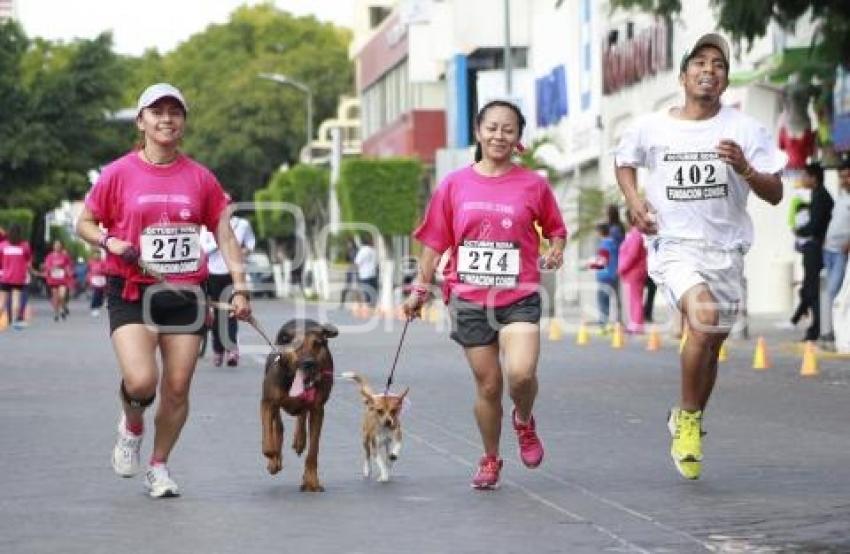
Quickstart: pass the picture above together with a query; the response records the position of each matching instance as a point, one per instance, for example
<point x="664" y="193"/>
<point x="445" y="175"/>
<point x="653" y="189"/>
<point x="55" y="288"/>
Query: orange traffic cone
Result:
<point x="583" y="337"/>
<point x="653" y="343"/>
<point x="617" y="339"/>
<point x="810" y="360"/>
<point x="723" y="355"/>
<point x="760" y="359"/>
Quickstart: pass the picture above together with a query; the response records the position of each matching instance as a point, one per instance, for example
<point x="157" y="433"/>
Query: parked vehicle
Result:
<point x="259" y="275"/>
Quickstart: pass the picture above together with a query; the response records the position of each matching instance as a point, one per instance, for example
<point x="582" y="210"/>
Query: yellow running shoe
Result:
<point x="686" y="447"/>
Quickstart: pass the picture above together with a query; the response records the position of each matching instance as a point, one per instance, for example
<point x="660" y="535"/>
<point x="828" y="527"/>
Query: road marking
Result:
<point x="587" y="492"/>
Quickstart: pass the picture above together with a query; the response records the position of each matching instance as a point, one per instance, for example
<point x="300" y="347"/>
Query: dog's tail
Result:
<point x="360" y="380"/>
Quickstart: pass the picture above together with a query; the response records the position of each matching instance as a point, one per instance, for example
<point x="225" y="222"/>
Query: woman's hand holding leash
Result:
<point x="240" y="305"/>
<point x="412" y="307"/>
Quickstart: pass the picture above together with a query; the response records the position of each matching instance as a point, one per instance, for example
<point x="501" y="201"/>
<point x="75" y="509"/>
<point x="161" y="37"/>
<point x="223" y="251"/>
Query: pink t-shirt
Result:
<point x="14" y="262"/>
<point x="57" y="268"/>
<point x="487" y="223"/>
<point x="97" y="274"/>
<point x="160" y="210"/>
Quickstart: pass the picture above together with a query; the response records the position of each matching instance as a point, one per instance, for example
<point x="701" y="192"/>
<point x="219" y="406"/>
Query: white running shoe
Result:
<point x="125" y="455"/>
<point x="159" y="483"/>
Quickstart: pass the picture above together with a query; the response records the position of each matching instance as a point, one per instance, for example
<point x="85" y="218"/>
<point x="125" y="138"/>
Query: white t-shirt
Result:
<point x="697" y="196"/>
<point x="244" y="237"/>
<point x="366" y="261"/>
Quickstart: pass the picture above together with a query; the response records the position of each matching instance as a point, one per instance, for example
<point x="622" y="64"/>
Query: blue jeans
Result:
<point x="604" y="290"/>
<point x="835" y="263"/>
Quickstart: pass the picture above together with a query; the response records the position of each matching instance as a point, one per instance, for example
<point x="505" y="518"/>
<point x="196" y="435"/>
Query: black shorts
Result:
<point x="171" y="312"/>
<point x="9" y="287"/>
<point x="477" y="325"/>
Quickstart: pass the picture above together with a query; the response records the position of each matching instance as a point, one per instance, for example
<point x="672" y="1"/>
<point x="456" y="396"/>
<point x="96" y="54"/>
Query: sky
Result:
<point x="137" y="25"/>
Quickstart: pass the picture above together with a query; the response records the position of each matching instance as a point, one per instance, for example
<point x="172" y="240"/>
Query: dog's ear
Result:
<point x="329" y="330"/>
<point x="284" y="336"/>
<point x="402" y="395"/>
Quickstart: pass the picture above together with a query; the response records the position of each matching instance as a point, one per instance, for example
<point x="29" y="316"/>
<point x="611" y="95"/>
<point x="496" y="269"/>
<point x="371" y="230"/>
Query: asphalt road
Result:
<point x="776" y="476"/>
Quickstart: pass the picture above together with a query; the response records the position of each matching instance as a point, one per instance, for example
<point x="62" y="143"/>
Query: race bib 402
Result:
<point x="695" y="175"/>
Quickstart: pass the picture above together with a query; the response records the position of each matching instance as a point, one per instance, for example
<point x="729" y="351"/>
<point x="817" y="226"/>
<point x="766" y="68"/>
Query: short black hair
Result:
<point x="815" y="169"/>
<point x="479" y="118"/>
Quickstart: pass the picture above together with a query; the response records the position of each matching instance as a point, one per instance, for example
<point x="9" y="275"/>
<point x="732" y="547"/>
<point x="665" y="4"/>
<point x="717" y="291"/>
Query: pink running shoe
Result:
<point x="487" y="475"/>
<point x="530" y="447"/>
<point x="233" y="358"/>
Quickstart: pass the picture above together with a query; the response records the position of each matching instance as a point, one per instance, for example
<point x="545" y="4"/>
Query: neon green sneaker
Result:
<point x="686" y="447"/>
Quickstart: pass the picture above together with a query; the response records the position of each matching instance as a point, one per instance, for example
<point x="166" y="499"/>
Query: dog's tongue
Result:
<point x="297" y="388"/>
<point x="309" y="395"/>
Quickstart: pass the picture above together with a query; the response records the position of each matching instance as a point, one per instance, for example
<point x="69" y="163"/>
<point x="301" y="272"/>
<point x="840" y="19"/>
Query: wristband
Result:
<point x="748" y="173"/>
<point x="420" y="291"/>
<point x="241" y="292"/>
<point x="104" y="238"/>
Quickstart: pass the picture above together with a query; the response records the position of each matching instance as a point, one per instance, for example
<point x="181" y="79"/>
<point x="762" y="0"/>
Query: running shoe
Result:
<point x="686" y="446"/>
<point x="487" y="475"/>
<point x="232" y="358"/>
<point x="125" y="454"/>
<point x="530" y="447"/>
<point x="20" y="324"/>
<point x="218" y="358"/>
<point x="159" y="483"/>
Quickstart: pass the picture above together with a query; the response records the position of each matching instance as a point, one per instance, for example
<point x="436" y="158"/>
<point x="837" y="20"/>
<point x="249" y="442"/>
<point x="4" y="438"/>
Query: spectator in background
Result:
<point x="605" y="265"/>
<point x="220" y="286"/>
<point x="649" y="301"/>
<point x="15" y="265"/>
<point x="616" y="229"/>
<point x="367" y="270"/>
<point x="836" y="247"/>
<point x="810" y="234"/>
<point x="632" y="271"/>
<point x="350" y="286"/>
<point x="96" y="280"/>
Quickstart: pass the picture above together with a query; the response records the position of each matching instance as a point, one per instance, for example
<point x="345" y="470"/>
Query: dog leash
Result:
<point x="223" y="306"/>
<point x="395" y="361"/>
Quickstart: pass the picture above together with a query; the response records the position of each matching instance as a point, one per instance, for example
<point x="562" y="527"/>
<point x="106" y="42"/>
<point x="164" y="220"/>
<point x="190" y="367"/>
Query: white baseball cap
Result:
<point x="158" y="91"/>
<point x="708" y="39"/>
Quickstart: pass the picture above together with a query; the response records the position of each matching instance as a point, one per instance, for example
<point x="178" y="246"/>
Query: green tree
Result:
<point x="749" y="20"/>
<point x="242" y="127"/>
<point x="53" y="98"/>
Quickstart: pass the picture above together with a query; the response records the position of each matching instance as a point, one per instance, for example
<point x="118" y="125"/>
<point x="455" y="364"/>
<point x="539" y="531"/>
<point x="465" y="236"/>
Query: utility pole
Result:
<point x="507" y="53"/>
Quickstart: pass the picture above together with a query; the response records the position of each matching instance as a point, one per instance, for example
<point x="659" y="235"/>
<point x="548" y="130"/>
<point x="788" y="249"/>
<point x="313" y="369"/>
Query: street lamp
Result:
<point x="284" y="80"/>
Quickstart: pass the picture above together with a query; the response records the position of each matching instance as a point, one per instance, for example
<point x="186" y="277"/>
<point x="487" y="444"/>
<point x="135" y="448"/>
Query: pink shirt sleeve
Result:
<point x="101" y="199"/>
<point x="436" y="228"/>
<point x="550" y="218"/>
<point x="214" y="203"/>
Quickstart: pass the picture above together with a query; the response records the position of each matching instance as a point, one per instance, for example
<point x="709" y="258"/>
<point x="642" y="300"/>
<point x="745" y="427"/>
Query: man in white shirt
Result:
<point x="366" y="261"/>
<point x="703" y="160"/>
<point x="219" y="281"/>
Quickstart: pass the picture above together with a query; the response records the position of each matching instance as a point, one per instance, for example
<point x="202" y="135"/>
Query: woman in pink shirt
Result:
<point x="57" y="268"/>
<point x="15" y="262"/>
<point x="153" y="203"/>
<point x="632" y="270"/>
<point x="96" y="279"/>
<point x="485" y="216"/>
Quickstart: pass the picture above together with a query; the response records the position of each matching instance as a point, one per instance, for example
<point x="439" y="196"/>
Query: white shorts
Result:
<point x="679" y="265"/>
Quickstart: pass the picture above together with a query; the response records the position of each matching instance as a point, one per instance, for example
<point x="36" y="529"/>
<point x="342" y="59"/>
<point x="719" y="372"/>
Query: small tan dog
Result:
<point x="381" y="428"/>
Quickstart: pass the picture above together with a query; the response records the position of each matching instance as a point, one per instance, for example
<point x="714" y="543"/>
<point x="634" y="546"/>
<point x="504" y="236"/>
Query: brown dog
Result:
<point x="381" y="428"/>
<point x="298" y="381"/>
